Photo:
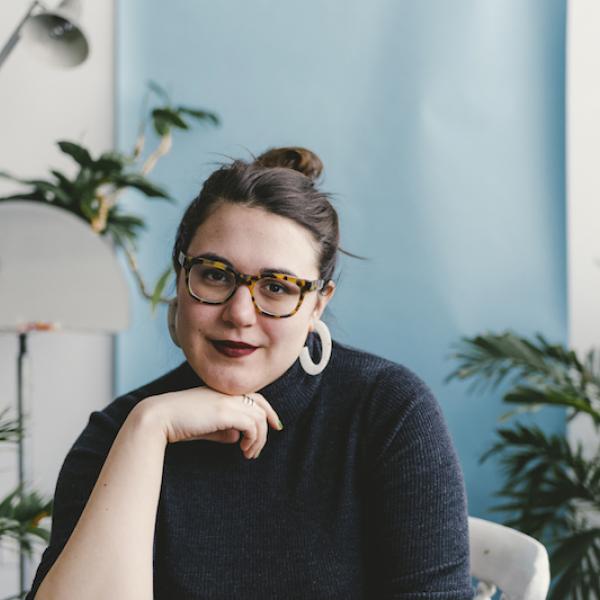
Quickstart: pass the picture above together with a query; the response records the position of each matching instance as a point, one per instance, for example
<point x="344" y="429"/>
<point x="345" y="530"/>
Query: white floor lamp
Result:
<point x="55" y="274"/>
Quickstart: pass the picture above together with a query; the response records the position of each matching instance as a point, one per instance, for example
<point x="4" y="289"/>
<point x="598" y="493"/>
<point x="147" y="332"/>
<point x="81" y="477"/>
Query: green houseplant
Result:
<point x="551" y="489"/>
<point x="93" y="193"/>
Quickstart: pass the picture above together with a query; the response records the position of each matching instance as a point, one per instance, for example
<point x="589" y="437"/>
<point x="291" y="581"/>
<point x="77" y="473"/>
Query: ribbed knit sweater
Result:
<point x="359" y="496"/>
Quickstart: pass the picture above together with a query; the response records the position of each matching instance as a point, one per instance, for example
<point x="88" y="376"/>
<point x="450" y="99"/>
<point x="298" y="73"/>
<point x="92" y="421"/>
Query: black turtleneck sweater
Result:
<point x="359" y="496"/>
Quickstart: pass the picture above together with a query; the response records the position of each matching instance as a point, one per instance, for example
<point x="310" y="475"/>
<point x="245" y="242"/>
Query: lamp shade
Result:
<point x="56" y="36"/>
<point x="55" y="269"/>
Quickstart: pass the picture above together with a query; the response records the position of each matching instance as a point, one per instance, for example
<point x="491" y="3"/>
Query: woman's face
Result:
<point x="251" y="240"/>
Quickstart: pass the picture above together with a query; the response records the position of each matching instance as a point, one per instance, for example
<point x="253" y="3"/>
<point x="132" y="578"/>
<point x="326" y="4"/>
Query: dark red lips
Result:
<point x="233" y="349"/>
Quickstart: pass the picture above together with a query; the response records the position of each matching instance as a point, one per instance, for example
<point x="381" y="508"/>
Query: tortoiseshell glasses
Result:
<point x="274" y="295"/>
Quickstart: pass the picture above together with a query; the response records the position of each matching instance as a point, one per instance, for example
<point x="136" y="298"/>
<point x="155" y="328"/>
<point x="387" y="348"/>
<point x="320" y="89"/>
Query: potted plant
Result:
<point x="551" y="489"/>
<point x="93" y="193"/>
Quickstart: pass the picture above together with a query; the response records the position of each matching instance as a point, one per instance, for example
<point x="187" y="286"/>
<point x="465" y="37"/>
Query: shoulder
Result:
<point x="397" y="408"/>
<point x="376" y="375"/>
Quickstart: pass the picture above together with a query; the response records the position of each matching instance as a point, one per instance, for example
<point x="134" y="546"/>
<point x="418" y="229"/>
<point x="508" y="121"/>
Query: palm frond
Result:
<point x="538" y="373"/>
<point x="20" y="514"/>
<point x="543" y="471"/>
<point x="565" y="397"/>
<point x="569" y="557"/>
<point x="9" y="428"/>
<point x="493" y="357"/>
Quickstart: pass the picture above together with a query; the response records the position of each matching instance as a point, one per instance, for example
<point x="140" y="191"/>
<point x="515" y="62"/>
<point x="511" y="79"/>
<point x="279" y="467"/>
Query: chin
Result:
<point x="232" y="385"/>
<point x="231" y="389"/>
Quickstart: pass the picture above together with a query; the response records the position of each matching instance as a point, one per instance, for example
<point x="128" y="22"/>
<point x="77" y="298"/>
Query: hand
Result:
<point x="204" y="414"/>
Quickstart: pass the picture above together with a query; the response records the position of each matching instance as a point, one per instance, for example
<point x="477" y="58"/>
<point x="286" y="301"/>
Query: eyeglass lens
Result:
<point x="275" y="296"/>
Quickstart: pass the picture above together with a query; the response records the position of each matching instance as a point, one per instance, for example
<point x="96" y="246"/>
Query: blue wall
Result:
<point x="440" y="125"/>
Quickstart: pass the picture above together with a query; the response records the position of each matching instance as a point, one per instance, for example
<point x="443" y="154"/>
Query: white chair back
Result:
<point x="507" y="559"/>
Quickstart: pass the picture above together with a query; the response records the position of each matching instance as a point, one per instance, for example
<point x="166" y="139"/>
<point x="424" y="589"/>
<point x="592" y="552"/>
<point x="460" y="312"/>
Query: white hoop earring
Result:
<point x="172" y="321"/>
<point x="306" y="361"/>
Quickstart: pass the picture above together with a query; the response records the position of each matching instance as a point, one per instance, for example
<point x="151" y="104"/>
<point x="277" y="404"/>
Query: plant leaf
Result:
<point x="159" y="91"/>
<point x="161" y="126"/>
<point x="77" y="152"/>
<point x="142" y="184"/>
<point x="201" y="115"/>
<point x="6" y="175"/>
<point x="9" y="428"/>
<point x="169" y="117"/>
<point x="567" y="557"/>
<point x="108" y="166"/>
<point x="531" y="397"/>
<point x="37" y="195"/>
<point x="159" y="287"/>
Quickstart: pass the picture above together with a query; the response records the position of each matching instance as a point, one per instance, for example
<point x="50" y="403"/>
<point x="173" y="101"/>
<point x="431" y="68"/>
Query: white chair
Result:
<point x="509" y="560"/>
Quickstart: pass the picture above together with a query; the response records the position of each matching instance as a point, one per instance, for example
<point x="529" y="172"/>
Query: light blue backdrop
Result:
<point x="440" y="125"/>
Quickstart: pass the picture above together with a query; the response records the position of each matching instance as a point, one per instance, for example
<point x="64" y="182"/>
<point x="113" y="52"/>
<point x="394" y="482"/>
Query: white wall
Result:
<point x="71" y="374"/>
<point x="583" y="188"/>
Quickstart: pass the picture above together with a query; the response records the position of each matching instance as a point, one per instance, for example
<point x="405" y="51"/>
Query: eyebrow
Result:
<point x="212" y="256"/>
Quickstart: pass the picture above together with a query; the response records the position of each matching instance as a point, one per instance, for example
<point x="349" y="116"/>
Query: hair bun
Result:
<point x="297" y="158"/>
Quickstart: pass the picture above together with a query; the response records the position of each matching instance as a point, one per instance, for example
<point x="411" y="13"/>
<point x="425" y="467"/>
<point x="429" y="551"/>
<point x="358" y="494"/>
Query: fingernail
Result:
<point x="257" y="455"/>
<point x="280" y="424"/>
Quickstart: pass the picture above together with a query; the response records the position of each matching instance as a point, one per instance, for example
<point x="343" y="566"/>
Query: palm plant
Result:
<point x="93" y="193"/>
<point x="551" y="489"/>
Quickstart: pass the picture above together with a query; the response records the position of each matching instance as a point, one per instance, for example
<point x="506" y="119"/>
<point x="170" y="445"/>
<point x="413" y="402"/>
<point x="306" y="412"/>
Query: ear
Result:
<point x="172" y="320"/>
<point x="323" y="300"/>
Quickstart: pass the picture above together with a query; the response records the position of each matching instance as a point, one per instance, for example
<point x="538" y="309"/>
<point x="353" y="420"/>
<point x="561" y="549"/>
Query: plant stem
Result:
<point x="131" y="259"/>
<point x="162" y="149"/>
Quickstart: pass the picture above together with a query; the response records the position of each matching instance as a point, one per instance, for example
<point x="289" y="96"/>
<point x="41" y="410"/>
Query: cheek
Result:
<point x="288" y="335"/>
<point x="194" y="316"/>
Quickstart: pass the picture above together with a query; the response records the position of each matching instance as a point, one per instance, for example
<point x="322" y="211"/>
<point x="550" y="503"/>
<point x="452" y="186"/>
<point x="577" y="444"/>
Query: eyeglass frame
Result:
<point x="305" y="285"/>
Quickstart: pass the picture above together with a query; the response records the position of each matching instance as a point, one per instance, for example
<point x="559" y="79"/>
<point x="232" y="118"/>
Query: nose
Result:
<point x="239" y="309"/>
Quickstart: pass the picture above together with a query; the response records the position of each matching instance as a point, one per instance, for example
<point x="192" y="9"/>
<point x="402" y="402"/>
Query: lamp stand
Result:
<point x="14" y="38"/>
<point x="21" y="375"/>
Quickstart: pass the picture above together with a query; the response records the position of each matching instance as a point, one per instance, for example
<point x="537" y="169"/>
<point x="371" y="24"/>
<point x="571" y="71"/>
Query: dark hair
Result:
<point x="280" y="181"/>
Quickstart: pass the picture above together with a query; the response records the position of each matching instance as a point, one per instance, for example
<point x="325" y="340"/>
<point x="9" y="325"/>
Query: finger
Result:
<point x="227" y="436"/>
<point x="255" y="412"/>
<point x="261" y="439"/>
<point x="272" y="416"/>
<point x="241" y="418"/>
<point x="258" y="410"/>
<point x="250" y="435"/>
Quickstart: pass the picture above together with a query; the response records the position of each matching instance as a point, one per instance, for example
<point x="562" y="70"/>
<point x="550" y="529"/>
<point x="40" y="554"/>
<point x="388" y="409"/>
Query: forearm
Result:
<point x="109" y="553"/>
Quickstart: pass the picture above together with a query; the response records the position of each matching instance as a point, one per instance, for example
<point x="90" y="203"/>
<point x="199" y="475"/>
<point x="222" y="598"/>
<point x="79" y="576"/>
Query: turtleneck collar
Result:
<point x="290" y="394"/>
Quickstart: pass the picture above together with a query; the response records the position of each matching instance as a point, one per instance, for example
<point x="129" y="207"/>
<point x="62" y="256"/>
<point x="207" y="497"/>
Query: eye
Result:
<point x="212" y="275"/>
<point x="274" y="287"/>
<point x="277" y="288"/>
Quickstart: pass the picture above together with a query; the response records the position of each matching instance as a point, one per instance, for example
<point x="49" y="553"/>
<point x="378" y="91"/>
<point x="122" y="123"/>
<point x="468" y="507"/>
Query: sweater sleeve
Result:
<point x="417" y="526"/>
<point x="76" y="479"/>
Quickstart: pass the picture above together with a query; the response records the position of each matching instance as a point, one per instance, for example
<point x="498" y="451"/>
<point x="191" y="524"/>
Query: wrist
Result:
<point x="147" y="417"/>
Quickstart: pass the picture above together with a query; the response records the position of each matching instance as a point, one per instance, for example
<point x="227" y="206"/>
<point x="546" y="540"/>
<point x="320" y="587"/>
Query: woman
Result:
<point x="358" y="495"/>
